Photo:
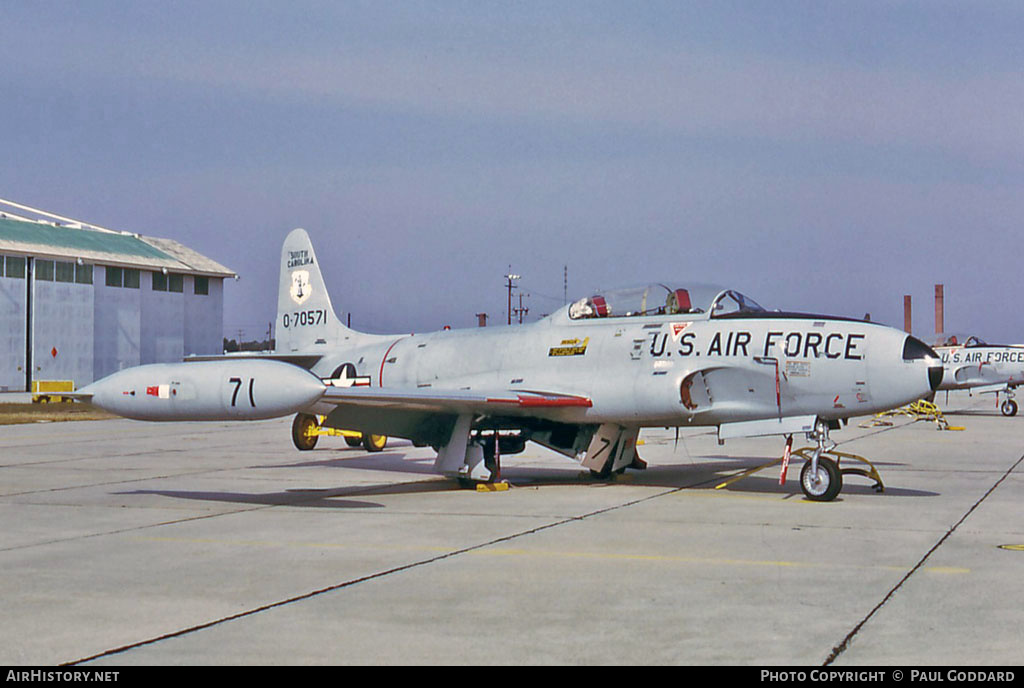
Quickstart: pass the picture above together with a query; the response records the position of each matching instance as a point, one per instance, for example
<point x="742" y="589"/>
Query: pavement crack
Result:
<point x="842" y="646"/>
<point x="364" y="579"/>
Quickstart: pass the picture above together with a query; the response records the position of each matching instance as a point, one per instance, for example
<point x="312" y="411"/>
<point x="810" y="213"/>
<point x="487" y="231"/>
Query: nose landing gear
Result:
<point x="821" y="477"/>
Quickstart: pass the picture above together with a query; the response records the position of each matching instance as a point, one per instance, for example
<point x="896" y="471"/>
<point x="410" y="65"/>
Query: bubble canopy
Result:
<point x="959" y="339"/>
<point x="696" y="300"/>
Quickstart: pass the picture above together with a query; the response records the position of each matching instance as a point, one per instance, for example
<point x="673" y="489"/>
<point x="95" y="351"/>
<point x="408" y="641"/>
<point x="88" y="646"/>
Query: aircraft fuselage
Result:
<point x="660" y="370"/>
<point x="976" y="366"/>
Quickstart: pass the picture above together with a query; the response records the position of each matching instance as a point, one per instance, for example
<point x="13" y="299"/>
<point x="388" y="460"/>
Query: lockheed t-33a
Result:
<point x="973" y="364"/>
<point x="582" y="381"/>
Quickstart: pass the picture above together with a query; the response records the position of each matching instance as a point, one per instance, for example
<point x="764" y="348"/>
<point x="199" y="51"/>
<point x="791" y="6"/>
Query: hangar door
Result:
<point x="13" y="301"/>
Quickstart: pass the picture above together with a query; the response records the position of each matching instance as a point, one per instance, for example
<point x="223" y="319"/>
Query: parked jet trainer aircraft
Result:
<point x="972" y="364"/>
<point x="582" y="381"/>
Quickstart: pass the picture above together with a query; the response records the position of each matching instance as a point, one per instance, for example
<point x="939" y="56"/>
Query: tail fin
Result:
<point x="306" y="321"/>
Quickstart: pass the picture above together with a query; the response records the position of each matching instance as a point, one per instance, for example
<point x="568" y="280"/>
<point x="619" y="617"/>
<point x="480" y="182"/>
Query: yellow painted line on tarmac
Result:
<point x="542" y="554"/>
<point x="613" y="556"/>
<point x="780" y="496"/>
<point x="704" y="560"/>
<point x="945" y="569"/>
<point x="282" y="543"/>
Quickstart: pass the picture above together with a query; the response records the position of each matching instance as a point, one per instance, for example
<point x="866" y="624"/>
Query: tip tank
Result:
<point x="243" y="389"/>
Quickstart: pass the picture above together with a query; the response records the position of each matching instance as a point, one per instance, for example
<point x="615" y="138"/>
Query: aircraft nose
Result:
<point x="914" y="349"/>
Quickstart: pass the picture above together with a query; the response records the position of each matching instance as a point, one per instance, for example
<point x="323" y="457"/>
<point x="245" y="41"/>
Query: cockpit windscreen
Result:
<point x="659" y="299"/>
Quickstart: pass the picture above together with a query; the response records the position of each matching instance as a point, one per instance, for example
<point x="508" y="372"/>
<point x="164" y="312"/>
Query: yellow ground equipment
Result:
<point x="49" y="391"/>
<point x="827" y="460"/>
<point x="919" y="410"/>
<point x="308" y="429"/>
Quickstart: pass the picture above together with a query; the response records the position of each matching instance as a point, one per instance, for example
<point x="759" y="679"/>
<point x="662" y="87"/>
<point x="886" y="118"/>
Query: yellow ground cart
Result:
<point x="307" y="430"/>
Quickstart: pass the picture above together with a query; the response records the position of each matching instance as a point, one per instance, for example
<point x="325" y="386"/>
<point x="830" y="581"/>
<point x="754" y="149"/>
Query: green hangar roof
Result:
<point x="51" y="240"/>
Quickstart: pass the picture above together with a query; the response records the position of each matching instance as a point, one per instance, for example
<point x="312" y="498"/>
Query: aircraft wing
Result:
<point x="430" y="414"/>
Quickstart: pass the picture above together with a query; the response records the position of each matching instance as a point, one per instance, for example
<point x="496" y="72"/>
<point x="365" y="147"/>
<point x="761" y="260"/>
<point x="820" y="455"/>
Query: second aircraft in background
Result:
<point x="972" y="364"/>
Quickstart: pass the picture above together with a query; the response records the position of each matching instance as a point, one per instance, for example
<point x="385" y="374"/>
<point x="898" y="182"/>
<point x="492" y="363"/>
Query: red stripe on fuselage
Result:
<point x="380" y="376"/>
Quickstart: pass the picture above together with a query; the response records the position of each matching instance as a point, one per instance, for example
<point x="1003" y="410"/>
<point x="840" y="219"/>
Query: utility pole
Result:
<point x="509" y="285"/>
<point x="521" y="311"/>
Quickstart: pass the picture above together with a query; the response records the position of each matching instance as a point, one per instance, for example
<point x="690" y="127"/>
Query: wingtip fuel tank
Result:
<point x="243" y="389"/>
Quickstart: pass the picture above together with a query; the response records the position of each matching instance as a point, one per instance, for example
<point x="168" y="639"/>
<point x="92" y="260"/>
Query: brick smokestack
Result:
<point x="906" y="314"/>
<point x="940" y="325"/>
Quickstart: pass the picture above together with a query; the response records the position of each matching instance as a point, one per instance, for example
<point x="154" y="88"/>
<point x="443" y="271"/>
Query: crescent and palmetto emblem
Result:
<point x="301" y="289"/>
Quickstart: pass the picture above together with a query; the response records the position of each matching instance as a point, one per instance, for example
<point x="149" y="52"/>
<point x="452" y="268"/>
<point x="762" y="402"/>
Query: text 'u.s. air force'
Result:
<point x="834" y="345"/>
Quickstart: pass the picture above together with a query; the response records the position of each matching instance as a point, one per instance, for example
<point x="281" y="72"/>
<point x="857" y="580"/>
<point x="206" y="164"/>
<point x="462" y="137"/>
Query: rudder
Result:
<point x="305" y="318"/>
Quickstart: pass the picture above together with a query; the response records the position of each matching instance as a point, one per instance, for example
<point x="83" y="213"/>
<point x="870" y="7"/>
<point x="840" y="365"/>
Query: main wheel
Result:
<point x="1009" y="407"/>
<point x="356" y="441"/>
<point x="824" y="484"/>
<point x="374" y="443"/>
<point x="304" y="432"/>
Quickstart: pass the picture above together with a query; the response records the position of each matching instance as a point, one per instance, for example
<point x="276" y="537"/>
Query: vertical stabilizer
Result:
<point x="306" y="321"/>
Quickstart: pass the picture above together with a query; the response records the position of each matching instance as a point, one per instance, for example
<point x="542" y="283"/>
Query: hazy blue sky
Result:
<point x="820" y="156"/>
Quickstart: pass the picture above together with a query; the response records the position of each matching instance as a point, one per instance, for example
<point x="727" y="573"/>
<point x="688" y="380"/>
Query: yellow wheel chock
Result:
<point x="918" y="410"/>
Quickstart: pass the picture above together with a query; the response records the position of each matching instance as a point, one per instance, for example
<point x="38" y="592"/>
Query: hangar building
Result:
<point x="78" y="302"/>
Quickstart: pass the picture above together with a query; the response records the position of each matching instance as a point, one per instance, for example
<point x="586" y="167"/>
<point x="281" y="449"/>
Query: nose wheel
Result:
<point x="821" y="482"/>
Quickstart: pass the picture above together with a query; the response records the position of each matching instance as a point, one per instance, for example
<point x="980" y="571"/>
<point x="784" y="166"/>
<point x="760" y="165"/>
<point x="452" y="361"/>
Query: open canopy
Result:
<point x="659" y="299"/>
<point x="959" y="339"/>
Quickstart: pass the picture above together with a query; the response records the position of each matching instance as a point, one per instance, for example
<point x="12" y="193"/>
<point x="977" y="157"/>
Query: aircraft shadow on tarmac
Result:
<point x="387" y="460"/>
<point x="704" y="473"/>
<point x="312" y="498"/>
<point x="982" y="413"/>
<point x="698" y="476"/>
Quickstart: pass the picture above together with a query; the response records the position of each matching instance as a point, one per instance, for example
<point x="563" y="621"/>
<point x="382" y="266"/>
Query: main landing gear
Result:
<point x="307" y="430"/>
<point x="1009" y="406"/>
<point x="821" y="477"/>
<point x="483" y="481"/>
